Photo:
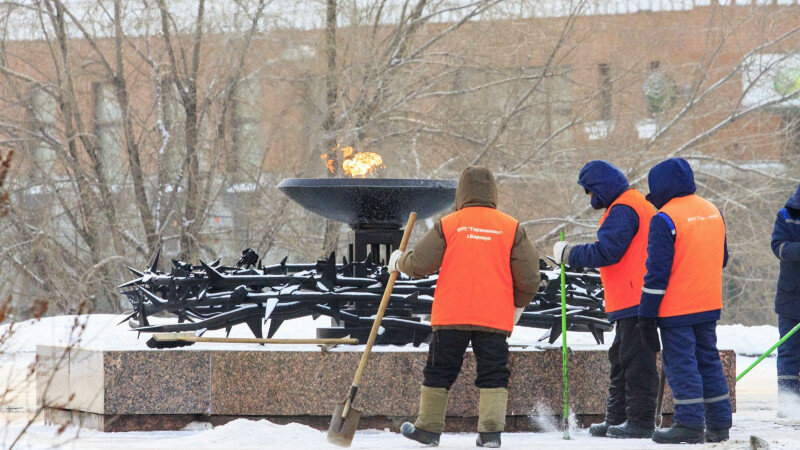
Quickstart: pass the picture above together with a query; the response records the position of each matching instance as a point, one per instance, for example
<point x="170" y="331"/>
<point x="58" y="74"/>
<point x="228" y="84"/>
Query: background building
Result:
<point x="137" y="126"/>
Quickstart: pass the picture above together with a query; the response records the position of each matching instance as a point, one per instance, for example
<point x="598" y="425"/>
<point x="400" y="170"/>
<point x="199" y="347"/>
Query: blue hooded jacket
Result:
<point x="606" y="182"/>
<point x="786" y="246"/>
<point x="667" y="180"/>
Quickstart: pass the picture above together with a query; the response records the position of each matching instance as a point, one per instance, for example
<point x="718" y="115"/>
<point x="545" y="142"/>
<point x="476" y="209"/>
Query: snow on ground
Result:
<point x="100" y="331"/>
<point x="755" y="395"/>
<point x="247" y="434"/>
<point x="751" y="341"/>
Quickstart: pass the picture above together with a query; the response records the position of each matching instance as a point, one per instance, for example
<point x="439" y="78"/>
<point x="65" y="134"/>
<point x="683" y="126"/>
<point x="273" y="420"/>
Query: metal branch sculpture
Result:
<point x="213" y="296"/>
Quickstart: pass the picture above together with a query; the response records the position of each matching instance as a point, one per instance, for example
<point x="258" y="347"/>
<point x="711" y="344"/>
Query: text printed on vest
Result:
<point x="478" y="237"/>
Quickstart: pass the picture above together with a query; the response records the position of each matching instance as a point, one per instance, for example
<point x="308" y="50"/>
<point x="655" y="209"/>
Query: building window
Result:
<point x="108" y="127"/>
<point x="43" y="124"/>
<point x="605" y="92"/>
<point x="247" y="141"/>
<point x="315" y="110"/>
<point x="175" y="126"/>
<point x="659" y="89"/>
<point x="602" y="128"/>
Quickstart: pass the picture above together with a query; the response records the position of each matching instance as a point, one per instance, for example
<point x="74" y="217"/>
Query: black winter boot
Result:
<point x="428" y="438"/>
<point x="678" y="434"/>
<point x="599" y="429"/>
<point x="488" y="440"/>
<point x="713" y="435"/>
<point x="630" y="430"/>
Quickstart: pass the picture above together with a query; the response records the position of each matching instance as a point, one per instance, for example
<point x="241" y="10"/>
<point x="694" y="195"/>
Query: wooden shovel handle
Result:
<point x="382" y="308"/>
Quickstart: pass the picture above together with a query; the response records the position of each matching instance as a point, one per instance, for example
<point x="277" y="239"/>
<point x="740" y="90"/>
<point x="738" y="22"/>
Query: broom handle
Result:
<point x="660" y="399"/>
<point x="378" y="317"/>
<point x="564" y="352"/>
<point x="768" y="352"/>
<point x="178" y="337"/>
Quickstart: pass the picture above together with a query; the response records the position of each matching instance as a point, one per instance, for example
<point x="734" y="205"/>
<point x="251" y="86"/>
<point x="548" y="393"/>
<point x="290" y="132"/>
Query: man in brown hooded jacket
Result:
<point x="489" y="273"/>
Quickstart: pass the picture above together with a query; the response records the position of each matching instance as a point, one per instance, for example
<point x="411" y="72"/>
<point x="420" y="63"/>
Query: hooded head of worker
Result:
<point x="476" y="187"/>
<point x="670" y="179"/>
<point x="793" y="204"/>
<point x="604" y="181"/>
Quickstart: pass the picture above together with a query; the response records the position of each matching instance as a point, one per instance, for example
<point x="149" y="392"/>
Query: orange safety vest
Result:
<point x="623" y="281"/>
<point x="695" y="284"/>
<point x="475" y="285"/>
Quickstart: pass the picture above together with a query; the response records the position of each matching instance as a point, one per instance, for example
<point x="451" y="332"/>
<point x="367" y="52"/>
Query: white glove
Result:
<point x="559" y="249"/>
<point x="393" y="260"/>
<point x="517" y="314"/>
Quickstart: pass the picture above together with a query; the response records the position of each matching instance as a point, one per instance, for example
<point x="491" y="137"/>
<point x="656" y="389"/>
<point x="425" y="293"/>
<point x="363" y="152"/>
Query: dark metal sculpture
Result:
<point x="212" y="296"/>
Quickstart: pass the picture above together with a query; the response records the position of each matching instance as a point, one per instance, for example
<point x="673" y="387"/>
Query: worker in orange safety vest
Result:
<point x="488" y="272"/>
<point x="619" y="253"/>
<point x="682" y="294"/>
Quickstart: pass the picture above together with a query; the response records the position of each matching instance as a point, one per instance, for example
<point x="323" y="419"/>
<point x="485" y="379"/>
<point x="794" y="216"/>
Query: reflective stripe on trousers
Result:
<point x="702" y="400"/>
<point x="694" y="372"/>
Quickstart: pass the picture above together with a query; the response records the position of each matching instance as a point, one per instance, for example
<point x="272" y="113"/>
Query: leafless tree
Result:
<point x="157" y="99"/>
<point x="145" y="124"/>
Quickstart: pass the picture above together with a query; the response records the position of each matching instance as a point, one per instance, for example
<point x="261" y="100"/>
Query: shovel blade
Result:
<point x="342" y="429"/>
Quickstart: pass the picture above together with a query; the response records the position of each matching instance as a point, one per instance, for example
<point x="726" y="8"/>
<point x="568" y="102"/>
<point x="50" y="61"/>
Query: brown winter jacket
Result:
<point x="476" y="188"/>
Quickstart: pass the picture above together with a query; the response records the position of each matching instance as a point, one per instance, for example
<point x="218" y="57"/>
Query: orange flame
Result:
<point x="354" y="164"/>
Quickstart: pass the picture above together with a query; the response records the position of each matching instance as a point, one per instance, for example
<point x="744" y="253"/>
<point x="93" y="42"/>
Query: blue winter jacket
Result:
<point x="614" y="237"/>
<point x="786" y="246"/>
<point x="667" y="180"/>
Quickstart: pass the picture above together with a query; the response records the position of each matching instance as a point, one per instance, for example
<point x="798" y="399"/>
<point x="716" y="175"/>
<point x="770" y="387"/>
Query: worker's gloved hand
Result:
<point x="393" y="260"/>
<point x="517" y="314"/>
<point x="560" y="251"/>
<point x="648" y="331"/>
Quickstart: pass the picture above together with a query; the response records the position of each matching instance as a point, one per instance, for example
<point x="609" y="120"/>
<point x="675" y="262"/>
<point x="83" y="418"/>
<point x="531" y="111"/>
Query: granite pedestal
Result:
<point x="123" y="390"/>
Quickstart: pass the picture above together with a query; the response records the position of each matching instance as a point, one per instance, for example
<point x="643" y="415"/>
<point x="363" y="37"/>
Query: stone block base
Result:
<point x="165" y="390"/>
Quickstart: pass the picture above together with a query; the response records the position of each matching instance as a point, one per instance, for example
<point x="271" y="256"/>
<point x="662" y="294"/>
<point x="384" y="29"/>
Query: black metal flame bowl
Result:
<point x="371" y="202"/>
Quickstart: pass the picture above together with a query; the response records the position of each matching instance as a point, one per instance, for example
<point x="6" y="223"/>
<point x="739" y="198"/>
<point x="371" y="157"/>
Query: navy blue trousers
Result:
<point x="694" y="372"/>
<point x="634" y="378"/>
<point x="788" y="358"/>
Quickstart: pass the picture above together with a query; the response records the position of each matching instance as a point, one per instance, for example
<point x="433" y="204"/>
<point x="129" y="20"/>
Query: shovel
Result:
<point x="345" y="418"/>
<point x="564" y="348"/>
